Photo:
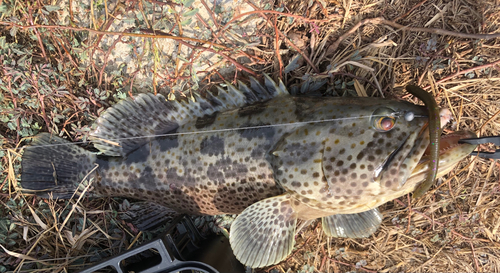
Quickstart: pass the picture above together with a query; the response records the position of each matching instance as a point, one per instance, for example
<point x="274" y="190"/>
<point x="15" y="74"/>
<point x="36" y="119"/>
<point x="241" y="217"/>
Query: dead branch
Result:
<point x="126" y="34"/>
<point x="465" y="72"/>
<point x="382" y="21"/>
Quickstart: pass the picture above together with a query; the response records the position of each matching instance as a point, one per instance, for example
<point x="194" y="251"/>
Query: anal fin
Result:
<point x="148" y="215"/>
<point x="358" y="225"/>
<point x="264" y="233"/>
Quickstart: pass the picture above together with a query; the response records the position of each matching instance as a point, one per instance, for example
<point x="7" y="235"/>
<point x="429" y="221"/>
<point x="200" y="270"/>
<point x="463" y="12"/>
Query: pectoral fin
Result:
<point x="359" y="225"/>
<point x="263" y="234"/>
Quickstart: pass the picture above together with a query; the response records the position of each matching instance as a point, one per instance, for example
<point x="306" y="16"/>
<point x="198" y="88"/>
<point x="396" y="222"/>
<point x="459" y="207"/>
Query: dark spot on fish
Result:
<point x="205" y="121"/>
<point x="168" y="142"/>
<point x="212" y="146"/>
<point x="253" y="109"/>
<point x="303" y="110"/>
<point x="263" y="131"/>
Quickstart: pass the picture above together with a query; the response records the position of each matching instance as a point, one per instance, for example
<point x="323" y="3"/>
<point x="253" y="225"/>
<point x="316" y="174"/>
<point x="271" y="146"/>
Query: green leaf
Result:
<point x="187" y="3"/>
<point x="13" y="31"/>
<point x="50" y="8"/>
<point x="182" y="59"/>
<point x="186" y="22"/>
<point x="2" y="42"/>
<point x="190" y="13"/>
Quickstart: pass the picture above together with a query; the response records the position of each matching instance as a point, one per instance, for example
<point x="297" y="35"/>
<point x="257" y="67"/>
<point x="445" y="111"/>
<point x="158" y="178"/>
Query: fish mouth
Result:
<point x="450" y="153"/>
<point x="450" y="141"/>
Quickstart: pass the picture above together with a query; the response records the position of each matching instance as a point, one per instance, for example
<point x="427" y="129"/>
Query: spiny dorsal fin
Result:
<point x="263" y="234"/>
<point x="358" y="225"/>
<point x="132" y="123"/>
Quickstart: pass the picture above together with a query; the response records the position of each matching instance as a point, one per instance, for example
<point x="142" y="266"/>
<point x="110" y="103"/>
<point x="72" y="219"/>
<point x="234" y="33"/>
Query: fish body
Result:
<point x="223" y="172"/>
<point x="257" y="151"/>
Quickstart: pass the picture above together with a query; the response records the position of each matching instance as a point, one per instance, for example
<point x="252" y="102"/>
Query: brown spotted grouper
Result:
<point x="258" y="151"/>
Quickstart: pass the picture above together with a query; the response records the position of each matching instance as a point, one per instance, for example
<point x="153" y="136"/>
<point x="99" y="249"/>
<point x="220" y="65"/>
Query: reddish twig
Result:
<point x="44" y="55"/>
<point x="277" y="46"/>
<point x="238" y="65"/>
<point x="126" y="34"/>
<point x="105" y="59"/>
<point x="116" y="12"/>
<point x="488" y="121"/>
<point x="210" y="12"/>
<point x="409" y="213"/>
<point x="469" y="240"/>
<point x="285" y="38"/>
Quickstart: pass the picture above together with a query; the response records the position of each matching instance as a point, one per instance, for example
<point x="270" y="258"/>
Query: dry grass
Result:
<point x="455" y="227"/>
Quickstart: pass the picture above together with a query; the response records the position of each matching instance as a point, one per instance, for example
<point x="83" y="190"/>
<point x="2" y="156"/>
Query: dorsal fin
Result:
<point x="132" y="123"/>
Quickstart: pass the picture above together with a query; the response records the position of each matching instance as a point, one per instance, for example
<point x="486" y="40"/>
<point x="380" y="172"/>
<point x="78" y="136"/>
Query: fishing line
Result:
<point x="206" y="131"/>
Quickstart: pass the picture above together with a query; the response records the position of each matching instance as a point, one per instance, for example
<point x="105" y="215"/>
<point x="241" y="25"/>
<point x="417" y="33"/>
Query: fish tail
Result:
<point x="52" y="166"/>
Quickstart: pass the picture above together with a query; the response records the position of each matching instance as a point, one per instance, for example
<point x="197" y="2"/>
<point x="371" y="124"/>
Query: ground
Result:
<point x="64" y="62"/>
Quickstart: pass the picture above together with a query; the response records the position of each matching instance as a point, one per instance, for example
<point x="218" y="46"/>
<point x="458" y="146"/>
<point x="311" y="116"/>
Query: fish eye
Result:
<point x="383" y="119"/>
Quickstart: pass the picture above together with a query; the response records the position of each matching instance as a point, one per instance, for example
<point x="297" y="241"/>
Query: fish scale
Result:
<point x="257" y="151"/>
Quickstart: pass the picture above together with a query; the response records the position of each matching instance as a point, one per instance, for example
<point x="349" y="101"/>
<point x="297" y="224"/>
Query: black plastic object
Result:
<point x="180" y="249"/>
<point x="483" y="140"/>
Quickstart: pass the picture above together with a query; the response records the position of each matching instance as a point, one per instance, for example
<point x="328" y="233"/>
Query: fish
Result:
<point x="256" y="151"/>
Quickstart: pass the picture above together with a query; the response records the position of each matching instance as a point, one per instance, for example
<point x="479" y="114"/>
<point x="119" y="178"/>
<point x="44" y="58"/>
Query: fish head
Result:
<point x="377" y="148"/>
<point x="363" y="157"/>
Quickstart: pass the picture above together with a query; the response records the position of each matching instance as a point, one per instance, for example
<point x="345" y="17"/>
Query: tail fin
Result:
<point x="52" y="166"/>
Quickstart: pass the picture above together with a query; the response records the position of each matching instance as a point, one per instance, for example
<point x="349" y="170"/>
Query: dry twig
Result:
<point x="382" y="21"/>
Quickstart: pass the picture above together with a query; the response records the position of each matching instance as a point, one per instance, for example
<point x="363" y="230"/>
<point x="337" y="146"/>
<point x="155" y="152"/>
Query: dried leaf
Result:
<point x="21" y="256"/>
